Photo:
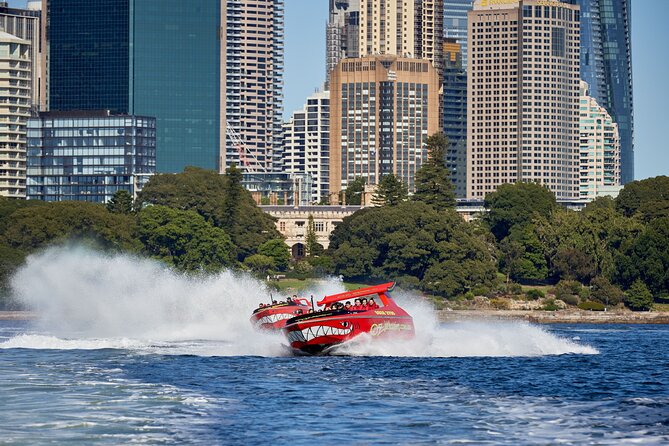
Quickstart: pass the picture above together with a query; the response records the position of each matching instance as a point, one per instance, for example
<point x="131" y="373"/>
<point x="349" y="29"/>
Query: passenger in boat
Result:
<point x="311" y="310"/>
<point x="261" y="305"/>
<point x="363" y="304"/>
<point x="357" y="305"/>
<point x="372" y="305"/>
<point x="289" y="300"/>
<point x="347" y="307"/>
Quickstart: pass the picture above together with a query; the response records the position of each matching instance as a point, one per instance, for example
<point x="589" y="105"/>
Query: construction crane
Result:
<point x="247" y="158"/>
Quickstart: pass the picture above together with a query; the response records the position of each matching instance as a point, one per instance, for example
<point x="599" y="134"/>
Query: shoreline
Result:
<point x="558" y="317"/>
<point x="537" y="317"/>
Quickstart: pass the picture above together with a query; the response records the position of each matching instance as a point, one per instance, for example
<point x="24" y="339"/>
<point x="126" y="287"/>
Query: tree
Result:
<point x="414" y="242"/>
<point x="354" y="191"/>
<point x="10" y="260"/>
<point x="220" y="199"/>
<point x="433" y="180"/>
<point x="390" y="191"/>
<point x="184" y="239"/>
<point x="525" y="255"/>
<point x="647" y="199"/>
<point x="34" y="227"/>
<point x="120" y="203"/>
<point x="645" y="257"/>
<point x="573" y="263"/>
<point x="311" y="242"/>
<point x="603" y="291"/>
<point x="639" y="297"/>
<point x="277" y="250"/>
<point x="517" y="204"/>
<point x="234" y="190"/>
<point x="259" y="263"/>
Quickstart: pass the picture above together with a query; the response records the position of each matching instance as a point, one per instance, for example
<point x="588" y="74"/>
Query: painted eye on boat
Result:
<point x="344" y="324"/>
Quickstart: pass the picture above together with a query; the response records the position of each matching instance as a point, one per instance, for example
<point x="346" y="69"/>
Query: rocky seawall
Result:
<point x="559" y="317"/>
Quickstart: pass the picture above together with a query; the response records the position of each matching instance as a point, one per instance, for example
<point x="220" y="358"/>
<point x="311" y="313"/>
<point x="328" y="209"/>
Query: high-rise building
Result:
<point x="454" y="114"/>
<point x="26" y="24"/>
<point x="16" y="75"/>
<point x="306" y="144"/>
<point x="341" y="33"/>
<point x="405" y="28"/>
<point x="194" y="65"/>
<point x="455" y="23"/>
<point x="383" y="108"/>
<point x="600" y="149"/>
<point x="606" y="65"/>
<point x="523" y="103"/>
<point x="142" y="57"/>
<point x="252" y="93"/>
<point x="89" y="155"/>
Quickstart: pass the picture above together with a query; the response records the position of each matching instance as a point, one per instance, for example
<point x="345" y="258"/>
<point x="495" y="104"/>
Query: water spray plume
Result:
<point x="85" y="299"/>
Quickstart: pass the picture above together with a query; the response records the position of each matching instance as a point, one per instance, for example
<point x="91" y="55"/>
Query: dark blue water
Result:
<point x="61" y="393"/>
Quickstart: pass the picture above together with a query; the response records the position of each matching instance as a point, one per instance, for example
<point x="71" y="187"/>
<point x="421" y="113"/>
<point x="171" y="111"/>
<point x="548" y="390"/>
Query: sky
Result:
<point x="305" y="71"/>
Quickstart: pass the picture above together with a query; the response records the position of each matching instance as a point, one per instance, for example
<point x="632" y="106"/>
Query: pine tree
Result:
<point x="390" y="191"/>
<point x="354" y="192"/>
<point x="233" y="195"/>
<point x="433" y="180"/>
<point x="311" y="241"/>
<point x="120" y="203"/>
<point x="639" y="297"/>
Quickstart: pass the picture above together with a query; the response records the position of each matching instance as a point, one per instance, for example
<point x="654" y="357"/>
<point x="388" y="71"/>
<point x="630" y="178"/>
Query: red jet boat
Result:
<point x="317" y="332"/>
<point x="274" y="316"/>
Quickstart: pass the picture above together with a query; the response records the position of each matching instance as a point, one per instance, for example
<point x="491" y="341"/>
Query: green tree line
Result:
<point x="612" y="251"/>
<point x="195" y="221"/>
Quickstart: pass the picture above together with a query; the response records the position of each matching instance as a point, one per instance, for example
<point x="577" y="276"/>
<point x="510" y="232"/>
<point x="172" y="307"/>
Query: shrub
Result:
<point x="603" y="291"/>
<point x="550" y="305"/>
<point x="480" y="290"/>
<point x="535" y="294"/>
<point x="591" y="306"/>
<point x="515" y="288"/>
<point x="567" y="288"/>
<point x="570" y="299"/>
<point x="500" y="304"/>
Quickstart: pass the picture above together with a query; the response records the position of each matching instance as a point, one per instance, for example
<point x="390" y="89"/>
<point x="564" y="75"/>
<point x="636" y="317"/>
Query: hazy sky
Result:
<point x="305" y="71"/>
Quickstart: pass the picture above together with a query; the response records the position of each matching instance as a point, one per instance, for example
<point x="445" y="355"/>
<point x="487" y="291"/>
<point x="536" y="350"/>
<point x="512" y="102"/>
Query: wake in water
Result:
<point x="89" y="300"/>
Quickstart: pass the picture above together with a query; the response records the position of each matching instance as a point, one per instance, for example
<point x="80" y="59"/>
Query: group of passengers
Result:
<point x="358" y="305"/>
<point x="289" y="300"/>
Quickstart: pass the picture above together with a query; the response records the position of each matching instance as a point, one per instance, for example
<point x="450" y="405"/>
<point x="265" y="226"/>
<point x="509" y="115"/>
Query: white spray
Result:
<point x="86" y="299"/>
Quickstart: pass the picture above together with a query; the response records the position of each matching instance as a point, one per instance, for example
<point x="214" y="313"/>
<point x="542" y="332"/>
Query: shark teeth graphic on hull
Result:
<point x="272" y="318"/>
<point x="316" y="331"/>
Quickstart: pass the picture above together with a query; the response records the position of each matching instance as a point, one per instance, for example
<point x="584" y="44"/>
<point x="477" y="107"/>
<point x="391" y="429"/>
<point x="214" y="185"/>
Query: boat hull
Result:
<point x="274" y="317"/>
<point x="319" y="332"/>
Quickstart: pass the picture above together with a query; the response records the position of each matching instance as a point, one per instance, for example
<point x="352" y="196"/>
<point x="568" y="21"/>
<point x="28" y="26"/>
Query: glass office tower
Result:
<point x="454" y="114"/>
<point x="175" y="64"/>
<point x="151" y="58"/>
<point x="455" y="23"/>
<point x="606" y="65"/>
<point x="89" y="49"/>
<point x="89" y="155"/>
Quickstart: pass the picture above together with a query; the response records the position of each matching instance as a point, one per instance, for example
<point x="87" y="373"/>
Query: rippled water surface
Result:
<point x="124" y="351"/>
<point x="60" y="390"/>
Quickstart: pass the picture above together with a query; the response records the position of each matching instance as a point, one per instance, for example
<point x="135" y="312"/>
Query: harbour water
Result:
<point x="168" y="360"/>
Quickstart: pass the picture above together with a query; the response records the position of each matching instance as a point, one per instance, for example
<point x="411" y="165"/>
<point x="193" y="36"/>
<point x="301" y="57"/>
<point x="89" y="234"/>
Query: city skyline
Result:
<point x="305" y="22"/>
<point x="303" y="76"/>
